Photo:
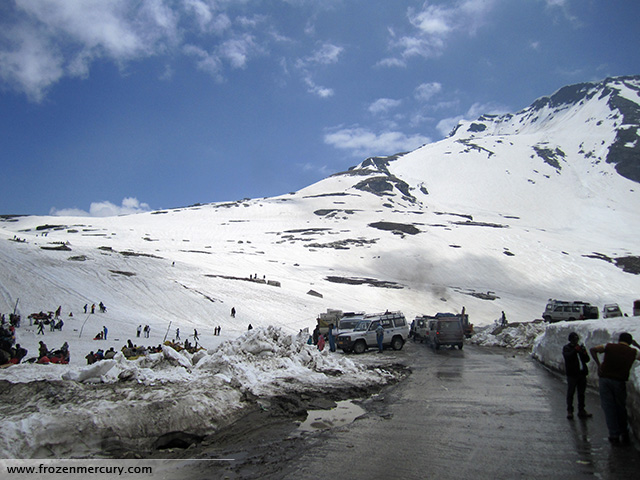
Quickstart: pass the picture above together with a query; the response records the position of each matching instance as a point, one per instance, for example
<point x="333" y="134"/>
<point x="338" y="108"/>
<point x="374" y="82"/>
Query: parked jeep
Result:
<point x="558" y="311"/>
<point x="420" y="328"/>
<point x="611" y="310"/>
<point x="445" y="330"/>
<point x="363" y="336"/>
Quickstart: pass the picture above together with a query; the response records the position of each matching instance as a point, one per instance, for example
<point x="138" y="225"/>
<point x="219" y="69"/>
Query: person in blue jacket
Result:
<point x="379" y="336"/>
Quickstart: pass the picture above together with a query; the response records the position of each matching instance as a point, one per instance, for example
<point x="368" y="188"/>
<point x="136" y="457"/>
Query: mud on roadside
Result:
<point x="268" y="434"/>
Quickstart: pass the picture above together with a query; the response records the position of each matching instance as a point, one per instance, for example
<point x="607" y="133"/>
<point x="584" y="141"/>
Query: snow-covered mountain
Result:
<point x="505" y="213"/>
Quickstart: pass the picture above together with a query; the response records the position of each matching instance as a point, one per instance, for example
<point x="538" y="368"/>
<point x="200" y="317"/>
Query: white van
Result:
<point x="559" y="311"/>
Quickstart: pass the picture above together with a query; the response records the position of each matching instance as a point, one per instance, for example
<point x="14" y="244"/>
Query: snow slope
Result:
<point x="506" y="213"/>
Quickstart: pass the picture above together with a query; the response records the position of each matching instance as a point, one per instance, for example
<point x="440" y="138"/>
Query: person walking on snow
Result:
<point x="576" y="369"/>
<point x="177" y="334"/>
<point x="195" y="335"/>
<point x="614" y="373"/>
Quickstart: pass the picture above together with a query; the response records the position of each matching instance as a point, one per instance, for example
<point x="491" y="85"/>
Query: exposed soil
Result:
<point x="256" y="445"/>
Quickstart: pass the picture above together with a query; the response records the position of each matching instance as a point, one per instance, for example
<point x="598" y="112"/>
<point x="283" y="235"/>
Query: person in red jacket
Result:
<point x="614" y="373"/>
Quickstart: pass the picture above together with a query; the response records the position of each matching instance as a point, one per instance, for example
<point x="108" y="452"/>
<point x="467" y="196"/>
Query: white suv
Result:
<point x="558" y="311"/>
<point x="363" y="336"/>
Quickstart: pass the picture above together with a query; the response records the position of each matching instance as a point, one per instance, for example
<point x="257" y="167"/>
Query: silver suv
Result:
<point x="611" y="310"/>
<point x="363" y="336"/>
<point x="559" y="311"/>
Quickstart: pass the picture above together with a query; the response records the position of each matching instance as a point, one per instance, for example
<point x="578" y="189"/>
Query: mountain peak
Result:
<point x="600" y="113"/>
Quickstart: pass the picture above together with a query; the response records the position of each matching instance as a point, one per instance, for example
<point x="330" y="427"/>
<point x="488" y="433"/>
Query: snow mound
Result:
<point x="130" y="404"/>
<point x="514" y="335"/>
<point x="265" y="360"/>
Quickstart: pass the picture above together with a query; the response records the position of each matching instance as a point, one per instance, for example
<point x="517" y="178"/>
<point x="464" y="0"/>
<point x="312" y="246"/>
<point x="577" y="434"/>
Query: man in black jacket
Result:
<point x="575" y="363"/>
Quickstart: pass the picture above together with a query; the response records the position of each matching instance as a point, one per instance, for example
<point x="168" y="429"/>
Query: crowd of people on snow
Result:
<point x="10" y="353"/>
<point x="14" y="354"/>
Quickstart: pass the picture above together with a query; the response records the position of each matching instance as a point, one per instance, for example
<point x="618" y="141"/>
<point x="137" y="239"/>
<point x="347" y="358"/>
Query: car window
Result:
<point x="400" y="322"/>
<point x="348" y="324"/>
<point x="374" y="325"/>
<point x="362" y="326"/>
<point x="387" y="323"/>
<point x="558" y="309"/>
<point x="449" y="326"/>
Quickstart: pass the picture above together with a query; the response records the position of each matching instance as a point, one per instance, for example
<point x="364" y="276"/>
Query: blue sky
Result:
<point x="114" y="106"/>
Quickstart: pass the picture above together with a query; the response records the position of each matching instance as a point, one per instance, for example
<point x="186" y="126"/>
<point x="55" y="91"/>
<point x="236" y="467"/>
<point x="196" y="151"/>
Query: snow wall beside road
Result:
<point x="547" y="349"/>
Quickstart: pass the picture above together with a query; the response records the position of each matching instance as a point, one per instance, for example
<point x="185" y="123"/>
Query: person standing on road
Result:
<point x="614" y="373"/>
<point x="332" y="339"/>
<point x="380" y="336"/>
<point x="575" y="365"/>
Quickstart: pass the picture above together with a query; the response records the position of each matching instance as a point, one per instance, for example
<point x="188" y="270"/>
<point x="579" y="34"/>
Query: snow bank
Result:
<point x="267" y="360"/>
<point x="546" y="342"/>
<point x="518" y="335"/>
<point x="121" y="404"/>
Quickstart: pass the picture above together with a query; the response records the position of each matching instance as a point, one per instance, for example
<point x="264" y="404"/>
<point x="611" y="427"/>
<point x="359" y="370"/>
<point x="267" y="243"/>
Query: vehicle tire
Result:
<point x="547" y="318"/>
<point x="571" y="319"/>
<point x="460" y="346"/>
<point x="397" y="343"/>
<point x="359" y="347"/>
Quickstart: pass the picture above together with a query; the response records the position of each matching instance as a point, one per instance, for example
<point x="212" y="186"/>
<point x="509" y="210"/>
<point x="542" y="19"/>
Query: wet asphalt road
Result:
<point x="481" y="413"/>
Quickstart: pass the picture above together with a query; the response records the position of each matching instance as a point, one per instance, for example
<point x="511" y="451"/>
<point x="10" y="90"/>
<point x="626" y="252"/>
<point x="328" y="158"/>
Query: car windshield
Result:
<point x="348" y="324"/>
<point x="362" y="326"/>
<point x="450" y="326"/>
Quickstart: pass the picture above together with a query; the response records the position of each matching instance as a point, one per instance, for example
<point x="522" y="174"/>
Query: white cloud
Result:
<point x="323" y="170"/>
<point x="238" y="50"/>
<point x="32" y="65"/>
<point x="391" y="62"/>
<point x="563" y="7"/>
<point x="129" y="206"/>
<point x="325" y="55"/>
<point x="363" y="143"/>
<point x="322" y="92"/>
<point x="433" y="25"/>
<point x="44" y="41"/>
<point x="383" y="105"/>
<point x="207" y="17"/>
<point x="47" y="40"/>
<point x="207" y="61"/>
<point x="425" y="91"/>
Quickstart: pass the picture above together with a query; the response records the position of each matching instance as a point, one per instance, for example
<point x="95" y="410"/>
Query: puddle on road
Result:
<point x="342" y="414"/>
